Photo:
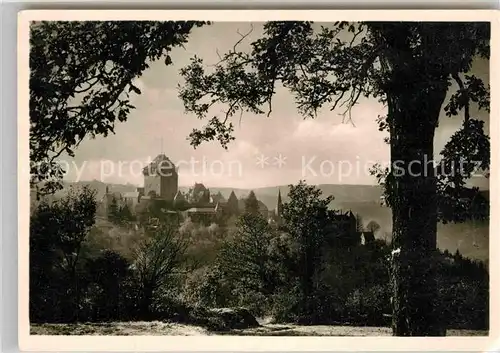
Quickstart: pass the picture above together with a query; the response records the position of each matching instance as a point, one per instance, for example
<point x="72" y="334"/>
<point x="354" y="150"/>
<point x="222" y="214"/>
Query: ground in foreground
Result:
<point x="174" y="329"/>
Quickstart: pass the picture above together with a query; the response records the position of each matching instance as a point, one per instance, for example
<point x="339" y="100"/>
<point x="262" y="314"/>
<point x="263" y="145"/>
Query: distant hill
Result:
<point x="471" y="239"/>
<point x="100" y="187"/>
<point x="342" y="193"/>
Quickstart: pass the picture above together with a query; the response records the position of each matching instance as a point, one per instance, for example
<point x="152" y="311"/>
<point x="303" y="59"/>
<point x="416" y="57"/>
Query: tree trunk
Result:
<point x="145" y="302"/>
<point x="413" y="114"/>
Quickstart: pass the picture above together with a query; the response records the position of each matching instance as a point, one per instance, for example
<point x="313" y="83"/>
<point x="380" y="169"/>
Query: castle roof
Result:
<point x="131" y="195"/>
<point x="198" y="188"/>
<point x="161" y="164"/>
<point x="201" y="210"/>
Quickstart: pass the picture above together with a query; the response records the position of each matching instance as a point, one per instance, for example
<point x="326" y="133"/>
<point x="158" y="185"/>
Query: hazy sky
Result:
<point x="316" y="150"/>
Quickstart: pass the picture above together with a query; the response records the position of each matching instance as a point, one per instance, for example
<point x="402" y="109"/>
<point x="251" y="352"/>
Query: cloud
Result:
<point x="159" y="116"/>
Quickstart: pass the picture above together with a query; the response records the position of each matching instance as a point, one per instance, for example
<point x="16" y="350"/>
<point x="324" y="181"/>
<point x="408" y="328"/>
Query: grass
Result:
<point x="157" y="328"/>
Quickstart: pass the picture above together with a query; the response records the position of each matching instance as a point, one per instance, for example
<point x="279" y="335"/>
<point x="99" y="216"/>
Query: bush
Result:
<point x="368" y="306"/>
<point x="465" y="304"/>
<point x="286" y="305"/>
<point x="206" y="287"/>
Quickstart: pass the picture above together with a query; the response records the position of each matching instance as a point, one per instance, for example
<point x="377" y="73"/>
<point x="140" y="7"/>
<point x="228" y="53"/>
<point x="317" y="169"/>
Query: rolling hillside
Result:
<point x="471" y="239"/>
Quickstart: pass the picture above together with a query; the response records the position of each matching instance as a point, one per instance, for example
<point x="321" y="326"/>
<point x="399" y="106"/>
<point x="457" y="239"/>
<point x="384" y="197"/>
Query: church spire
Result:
<point x="279" y="206"/>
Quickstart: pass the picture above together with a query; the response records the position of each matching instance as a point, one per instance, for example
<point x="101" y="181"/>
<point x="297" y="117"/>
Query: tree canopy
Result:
<point x="81" y="78"/>
<point x="407" y="66"/>
<point x="81" y="75"/>
<point x="334" y="66"/>
<point x="252" y="204"/>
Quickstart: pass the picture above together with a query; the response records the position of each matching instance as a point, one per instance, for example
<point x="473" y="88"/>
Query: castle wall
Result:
<point x="151" y="183"/>
<point x="169" y="186"/>
<point x="164" y="186"/>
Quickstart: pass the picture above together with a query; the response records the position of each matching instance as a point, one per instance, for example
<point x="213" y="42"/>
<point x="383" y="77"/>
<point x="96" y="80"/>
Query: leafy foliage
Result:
<point x="67" y="222"/>
<point x="373" y="226"/>
<point x="258" y="267"/>
<point x="246" y="259"/>
<point x="407" y="66"/>
<point x="335" y="65"/>
<point x="57" y="233"/>
<point x="306" y="219"/>
<point x="108" y="274"/>
<point x="119" y="214"/>
<point x="81" y="77"/>
<point x="252" y="204"/>
<point x="113" y="210"/>
<point x="156" y="258"/>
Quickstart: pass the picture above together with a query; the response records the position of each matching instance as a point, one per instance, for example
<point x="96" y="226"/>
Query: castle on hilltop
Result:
<point x="161" y="186"/>
<point x="161" y="183"/>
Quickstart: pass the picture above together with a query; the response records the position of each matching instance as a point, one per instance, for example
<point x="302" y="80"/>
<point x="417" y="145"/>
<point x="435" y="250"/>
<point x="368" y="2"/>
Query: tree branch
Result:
<point x="464" y="95"/>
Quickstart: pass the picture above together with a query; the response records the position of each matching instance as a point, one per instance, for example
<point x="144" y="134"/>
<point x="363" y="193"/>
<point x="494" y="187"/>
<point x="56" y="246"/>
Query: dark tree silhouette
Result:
<point x="373" y="227"/>
<point x="108" y="271"/>
<point x="114" y="210"/>
<point x="306" y="219"/>
<point x="409" y="67"/>
<point x="246" y="259"/>
<point x="157" y="257"/>
<point x="81" y="75"/>
<point x="57" y="233"/>
<point x="252" y="204"/>
<point x="125" y="214"/>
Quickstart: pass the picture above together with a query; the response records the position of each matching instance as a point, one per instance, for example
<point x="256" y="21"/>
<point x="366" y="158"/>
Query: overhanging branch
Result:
<point x="464" y="95"/>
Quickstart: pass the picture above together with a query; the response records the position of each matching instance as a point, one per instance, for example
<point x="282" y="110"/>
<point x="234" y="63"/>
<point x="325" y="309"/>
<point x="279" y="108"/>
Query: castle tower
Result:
<point x="161" y="178"/>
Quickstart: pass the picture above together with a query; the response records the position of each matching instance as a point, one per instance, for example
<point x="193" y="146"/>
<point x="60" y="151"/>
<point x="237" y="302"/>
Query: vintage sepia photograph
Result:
<point x="259" y="178"/>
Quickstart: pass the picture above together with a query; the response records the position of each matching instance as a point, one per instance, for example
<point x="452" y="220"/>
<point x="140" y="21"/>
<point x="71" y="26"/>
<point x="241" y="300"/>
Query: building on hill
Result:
<point x="204" y="215"/>
<point x="234" y="206"/>
<point x="198" y="194"/>
<point x="107" y="200"/>
<point x="345" y="222"/>
<point x="131" y="199"/>
<point x="161" y="190"/>
<point x="367" y="238"/>
<point x="161" y="178"/>
<point x="180" y="200"/>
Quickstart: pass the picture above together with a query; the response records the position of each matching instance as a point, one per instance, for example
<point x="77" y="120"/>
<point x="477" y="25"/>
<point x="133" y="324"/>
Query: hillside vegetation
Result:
<point x="470" y="238"/>
<point x="221" y="276"/>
